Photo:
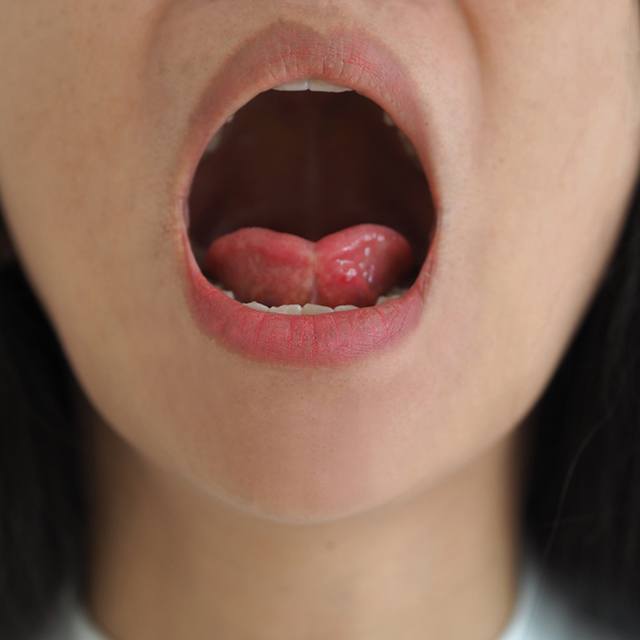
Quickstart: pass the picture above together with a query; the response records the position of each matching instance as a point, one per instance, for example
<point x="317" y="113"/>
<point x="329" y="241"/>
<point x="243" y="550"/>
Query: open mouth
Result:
<point x="312" y="233"/>
<point x="309" y="201"/>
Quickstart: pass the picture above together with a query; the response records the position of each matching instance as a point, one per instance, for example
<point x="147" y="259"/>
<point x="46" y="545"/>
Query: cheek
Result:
<point x="533" y="221"/>
<point x="557" y="164"/>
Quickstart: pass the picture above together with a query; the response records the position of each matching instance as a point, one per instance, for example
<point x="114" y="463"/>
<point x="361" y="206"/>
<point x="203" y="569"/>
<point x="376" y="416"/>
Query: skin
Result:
<point x="234" y="499"/>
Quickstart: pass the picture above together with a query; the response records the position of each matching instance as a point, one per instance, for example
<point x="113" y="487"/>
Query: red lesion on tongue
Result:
<point x="352" y="266"/>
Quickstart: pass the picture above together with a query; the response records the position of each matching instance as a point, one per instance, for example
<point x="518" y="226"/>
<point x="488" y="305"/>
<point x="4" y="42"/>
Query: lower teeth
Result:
<point x="311" y="309"/>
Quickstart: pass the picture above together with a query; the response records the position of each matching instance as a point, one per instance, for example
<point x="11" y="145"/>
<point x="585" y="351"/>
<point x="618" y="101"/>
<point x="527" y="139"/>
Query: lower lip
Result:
<point x="331" y="339"/>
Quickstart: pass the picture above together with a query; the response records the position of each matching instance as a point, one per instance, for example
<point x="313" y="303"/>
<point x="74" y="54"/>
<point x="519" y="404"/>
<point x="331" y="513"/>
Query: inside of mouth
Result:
<point x="308" y="165"/>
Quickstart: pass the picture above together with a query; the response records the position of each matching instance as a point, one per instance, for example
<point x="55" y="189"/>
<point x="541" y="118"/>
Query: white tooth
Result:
<point x="406" y="143"/>
<point x="312" y="85"/>
<point x="288" y="309"/>
<point x="315" y="309"/>
<point x="257" y="306"/>
<point x="299" y="85"/>
<point x="229" y="294"/>
<point x="230" y="118"/>
<point x="214" y="143"/>
<point x="410" y="150"/>
<point x="387" y="120"/>
<point x="381" y="299"/>
<point x="345" y="307"/>
<point x="396" y="292"/>
<point x="321" y="85"/>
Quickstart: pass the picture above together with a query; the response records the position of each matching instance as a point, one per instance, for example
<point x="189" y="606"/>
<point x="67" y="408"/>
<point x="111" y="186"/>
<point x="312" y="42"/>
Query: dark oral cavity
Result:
<point x="353" y="266"/>
<point x="310" y="198"/>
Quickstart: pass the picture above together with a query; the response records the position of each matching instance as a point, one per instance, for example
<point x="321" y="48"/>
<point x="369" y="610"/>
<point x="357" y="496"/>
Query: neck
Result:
<point x="169" y="561"/>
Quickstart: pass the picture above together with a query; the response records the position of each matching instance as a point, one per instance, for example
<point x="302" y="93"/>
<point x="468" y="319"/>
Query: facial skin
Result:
<point x="321" y="484"/>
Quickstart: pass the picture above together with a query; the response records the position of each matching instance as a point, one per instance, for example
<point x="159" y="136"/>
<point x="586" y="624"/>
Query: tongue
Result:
<point x="352" y="266"/>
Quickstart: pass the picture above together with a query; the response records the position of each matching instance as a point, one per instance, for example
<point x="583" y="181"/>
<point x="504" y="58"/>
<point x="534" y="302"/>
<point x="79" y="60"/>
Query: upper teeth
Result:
<point x="312" y="85"/>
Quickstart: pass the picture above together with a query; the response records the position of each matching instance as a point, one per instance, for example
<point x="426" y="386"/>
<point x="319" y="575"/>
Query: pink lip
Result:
<point x="285" y="52"/>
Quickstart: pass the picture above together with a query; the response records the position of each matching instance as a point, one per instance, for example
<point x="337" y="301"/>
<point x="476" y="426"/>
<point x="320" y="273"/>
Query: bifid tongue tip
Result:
<point x="353" y="266"/>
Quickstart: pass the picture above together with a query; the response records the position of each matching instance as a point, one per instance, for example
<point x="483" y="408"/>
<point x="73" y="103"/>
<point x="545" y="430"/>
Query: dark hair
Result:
<point x="42" y="508"/>
<point x="581" y="507"/>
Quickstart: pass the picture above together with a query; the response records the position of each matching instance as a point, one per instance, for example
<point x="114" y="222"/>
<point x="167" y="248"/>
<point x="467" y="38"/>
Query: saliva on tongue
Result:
<point x="352" y="266"/>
